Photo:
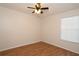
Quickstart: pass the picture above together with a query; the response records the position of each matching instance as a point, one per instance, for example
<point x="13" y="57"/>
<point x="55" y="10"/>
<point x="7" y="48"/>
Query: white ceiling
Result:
<point x="54" y="8"/>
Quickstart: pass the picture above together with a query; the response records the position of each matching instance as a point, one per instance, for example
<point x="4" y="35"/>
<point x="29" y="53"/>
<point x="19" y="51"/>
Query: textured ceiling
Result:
<point x="54" y="8"/>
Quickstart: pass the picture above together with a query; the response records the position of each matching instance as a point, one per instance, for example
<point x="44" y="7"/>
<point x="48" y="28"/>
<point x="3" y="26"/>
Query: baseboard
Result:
<point x="19" y="46"/>
<point x="60" y="46"/>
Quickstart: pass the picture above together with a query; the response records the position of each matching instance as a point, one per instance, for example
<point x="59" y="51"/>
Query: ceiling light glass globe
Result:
<point x="38" y="11"/>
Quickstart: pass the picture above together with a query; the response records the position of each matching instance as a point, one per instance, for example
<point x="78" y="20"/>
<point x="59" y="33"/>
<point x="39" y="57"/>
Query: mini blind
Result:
<point x="70" y="29"/>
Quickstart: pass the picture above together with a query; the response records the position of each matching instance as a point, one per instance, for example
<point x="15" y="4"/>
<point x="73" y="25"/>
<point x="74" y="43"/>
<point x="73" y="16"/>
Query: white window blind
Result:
<point x="70" y="29"/>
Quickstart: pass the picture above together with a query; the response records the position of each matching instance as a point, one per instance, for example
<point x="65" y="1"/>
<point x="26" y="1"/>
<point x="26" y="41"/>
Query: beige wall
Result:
<point x="17" y="28"/>
<point x="51" y="31"/>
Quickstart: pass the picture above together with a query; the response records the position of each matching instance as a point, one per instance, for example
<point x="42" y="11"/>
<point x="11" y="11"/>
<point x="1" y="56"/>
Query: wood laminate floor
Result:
<point x="38" y="49"/>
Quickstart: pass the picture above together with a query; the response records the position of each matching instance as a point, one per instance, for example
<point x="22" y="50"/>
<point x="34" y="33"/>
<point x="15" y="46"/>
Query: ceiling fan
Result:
<point x="38" y="8"/>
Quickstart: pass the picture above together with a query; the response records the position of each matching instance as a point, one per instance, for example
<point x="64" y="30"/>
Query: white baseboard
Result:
<point x="61" y="47"/>
<point x="18" y="46"/>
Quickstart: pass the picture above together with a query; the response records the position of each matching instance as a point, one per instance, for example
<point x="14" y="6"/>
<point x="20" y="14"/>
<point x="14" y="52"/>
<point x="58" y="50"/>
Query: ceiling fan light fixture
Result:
<point x="38" y="11"/>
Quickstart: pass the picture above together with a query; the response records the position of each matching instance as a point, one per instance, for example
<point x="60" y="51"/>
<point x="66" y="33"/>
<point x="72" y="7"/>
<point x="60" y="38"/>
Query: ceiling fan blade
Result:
<point x="44" y="8"/>
<point x="31" y="7"/>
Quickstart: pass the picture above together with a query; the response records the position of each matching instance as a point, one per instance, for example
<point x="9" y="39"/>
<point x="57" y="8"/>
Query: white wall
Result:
<point x="17" y="29"/>
<point x="51" y="31"/>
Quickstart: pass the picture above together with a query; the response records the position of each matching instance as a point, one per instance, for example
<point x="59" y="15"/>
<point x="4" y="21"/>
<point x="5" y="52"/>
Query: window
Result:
<point x="70" y="29"/>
